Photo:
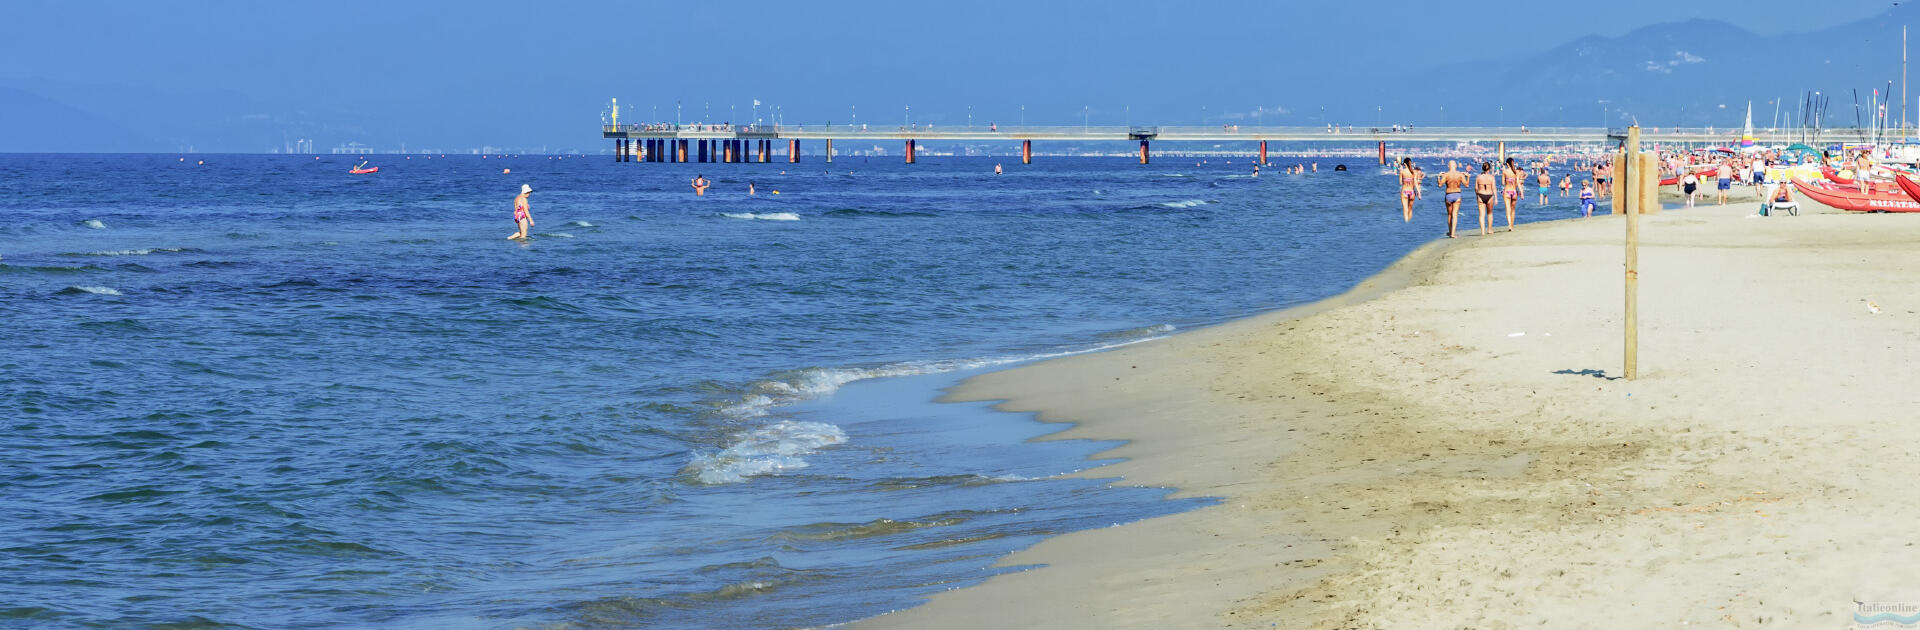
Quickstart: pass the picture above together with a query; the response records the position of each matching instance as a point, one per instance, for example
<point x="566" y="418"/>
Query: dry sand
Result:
<point x="1406" y="458"/>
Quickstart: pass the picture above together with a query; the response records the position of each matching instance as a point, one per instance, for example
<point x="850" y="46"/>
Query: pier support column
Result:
<point x="909" y="151"/>
<point x="1026" y="151"/>
<point x="650" y="150"/>
<point x="702" y="146"/>
<point x="1263" y="153"/>
<point x="1383" y="153"/>
<point x="616" y="149"/>
<point x="793" y="151"/>
<point x="680" y="151"/>
<point x="728" y="157"/>
<point x="1143" y="152"/>
<point x="766" y="151"/>
<point x="829" y="150"/>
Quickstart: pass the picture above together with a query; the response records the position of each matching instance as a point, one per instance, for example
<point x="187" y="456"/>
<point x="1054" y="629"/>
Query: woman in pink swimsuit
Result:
<point x="1407" y="182"/>
<point x="522" y="214"/>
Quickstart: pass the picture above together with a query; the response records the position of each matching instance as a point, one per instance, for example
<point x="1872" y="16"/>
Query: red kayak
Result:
<point x="363" y="171"/>
<point x="1852" y="200"/>
<point x="1835" y="176"/>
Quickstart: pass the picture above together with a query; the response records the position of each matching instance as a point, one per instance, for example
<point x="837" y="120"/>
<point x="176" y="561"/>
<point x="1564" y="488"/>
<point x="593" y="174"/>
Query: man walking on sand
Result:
<point x="1452" y="181"/>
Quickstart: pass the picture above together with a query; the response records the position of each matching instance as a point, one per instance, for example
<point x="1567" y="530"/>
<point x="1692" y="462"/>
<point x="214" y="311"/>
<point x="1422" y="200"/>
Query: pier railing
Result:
<point x="1230" y="133"/>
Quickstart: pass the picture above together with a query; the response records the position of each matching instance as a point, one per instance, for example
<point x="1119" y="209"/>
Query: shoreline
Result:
<point x="1424" y="450"/>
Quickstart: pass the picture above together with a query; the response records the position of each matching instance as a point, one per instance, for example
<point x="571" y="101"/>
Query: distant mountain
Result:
<point x="1693" y="73"/>
<point x="36" y="124"/>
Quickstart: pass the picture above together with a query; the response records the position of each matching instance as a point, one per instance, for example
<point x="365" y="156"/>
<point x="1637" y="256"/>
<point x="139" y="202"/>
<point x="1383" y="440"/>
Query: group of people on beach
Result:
<point x="1489" y="190"/>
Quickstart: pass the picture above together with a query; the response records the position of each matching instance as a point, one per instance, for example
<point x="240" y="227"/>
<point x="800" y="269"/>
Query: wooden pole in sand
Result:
<point x="1628" y="204"/>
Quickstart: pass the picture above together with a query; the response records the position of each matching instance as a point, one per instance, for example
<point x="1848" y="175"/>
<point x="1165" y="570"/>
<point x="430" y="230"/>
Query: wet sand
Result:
<point x="1449" y="445"/>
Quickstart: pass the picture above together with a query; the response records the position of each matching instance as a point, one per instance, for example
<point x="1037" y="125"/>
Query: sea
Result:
<point x="256" y="391"/>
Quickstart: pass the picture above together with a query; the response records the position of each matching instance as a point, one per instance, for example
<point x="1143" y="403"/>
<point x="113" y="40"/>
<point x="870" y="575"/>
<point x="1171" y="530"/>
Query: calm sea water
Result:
<point x="263" y="392"/>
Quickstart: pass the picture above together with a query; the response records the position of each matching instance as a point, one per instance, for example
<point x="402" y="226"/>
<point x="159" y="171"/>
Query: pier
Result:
<point x="754" y="143"/>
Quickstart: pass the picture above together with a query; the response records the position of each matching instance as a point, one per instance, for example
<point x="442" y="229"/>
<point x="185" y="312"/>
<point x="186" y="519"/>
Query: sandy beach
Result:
<point x="1448" y="445"/>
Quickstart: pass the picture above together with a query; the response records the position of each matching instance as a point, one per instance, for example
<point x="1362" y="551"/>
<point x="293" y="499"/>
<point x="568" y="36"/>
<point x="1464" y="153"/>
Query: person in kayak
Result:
<point x="522" y="213"/>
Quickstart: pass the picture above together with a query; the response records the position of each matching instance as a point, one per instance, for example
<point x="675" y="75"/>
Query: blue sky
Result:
<point x="516" y="66"/>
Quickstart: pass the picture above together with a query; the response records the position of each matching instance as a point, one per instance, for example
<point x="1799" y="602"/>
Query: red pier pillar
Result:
<point x="1143" y="152"/>
<point x="1383" y="153"/>
<point x="909" y="151"/>
<point x="1263" y="153"/>
<point x="1026" y="151"/>
<point x="793" y="151"/>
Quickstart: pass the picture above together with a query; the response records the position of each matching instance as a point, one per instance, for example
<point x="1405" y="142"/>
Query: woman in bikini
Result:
<point x="1511" y="176"/>
<point x="1407" y="183"/>
<point x="1487" y="189"/>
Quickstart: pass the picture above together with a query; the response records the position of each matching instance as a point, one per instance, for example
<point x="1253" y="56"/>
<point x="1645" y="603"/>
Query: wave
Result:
<point x="94" y="224"/>
<point x="138" y="252"/>
<point x="768" y="449"/>
<point x="554" y="235"/>
<point x="1185" y="203"/>
<point x="769" y="216"/>
<point x="92" y="290"/>
<point x="579" y="224"/>
<point x="857" y="212"/>
<point x="5" y="268"/>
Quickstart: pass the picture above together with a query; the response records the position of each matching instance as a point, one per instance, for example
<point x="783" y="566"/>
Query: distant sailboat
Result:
<point x="1746" y="133"/>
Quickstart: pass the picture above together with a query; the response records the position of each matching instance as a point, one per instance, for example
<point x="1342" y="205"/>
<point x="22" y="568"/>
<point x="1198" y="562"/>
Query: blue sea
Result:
<point x="262" y="392"/>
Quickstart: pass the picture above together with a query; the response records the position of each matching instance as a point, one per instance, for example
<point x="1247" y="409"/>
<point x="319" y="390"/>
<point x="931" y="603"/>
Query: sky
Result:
<point x="530" y="71"/>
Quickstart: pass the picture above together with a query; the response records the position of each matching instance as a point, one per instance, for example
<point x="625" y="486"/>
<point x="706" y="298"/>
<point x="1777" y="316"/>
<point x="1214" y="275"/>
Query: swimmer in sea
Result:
<point x="1451" y="181"/>
<point x="1486" y="187"/>
<point x="996" y="169"/>
<point x="700" y="185"/>
<point x="1407" y="181"/>
<point x="750" y="189"/>
<point x="522" y="213"/>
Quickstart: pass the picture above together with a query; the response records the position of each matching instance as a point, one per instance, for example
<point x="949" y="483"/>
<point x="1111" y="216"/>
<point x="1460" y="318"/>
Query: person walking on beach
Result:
<point x="1407" y="183"/>
<point x="1690" y="186"/>
<point x="1486" y="187"/>
<point x="1599" y="179"/>
<point x="1419" y="182"/>
<point x="1452" y="181"/>
<point x="1514" y="179"/>
<point x="700" y="185"/>
<point x="522" y="213"/>
<point x="1725" y="181"/>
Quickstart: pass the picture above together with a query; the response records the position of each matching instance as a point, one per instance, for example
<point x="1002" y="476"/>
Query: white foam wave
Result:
<point x="93" y="223"/>
<point x="769" y="216"/>
<point x="580" y="224"/>
<point x="808" y="383"/>
<point x="135" y="252"/>
<point x="96" y="290"/>
<point x="769" y="449"/>
<point x="557" y="235"/>
<point x="1185" y="203"/>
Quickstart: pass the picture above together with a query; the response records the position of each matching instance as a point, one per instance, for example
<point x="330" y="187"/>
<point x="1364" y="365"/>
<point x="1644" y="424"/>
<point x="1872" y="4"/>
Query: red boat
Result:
<point x="1908" y="186"/>
<point x="1835" y="176"/>
<point x="362" y="171"/>
<point x="1852" y="200"/>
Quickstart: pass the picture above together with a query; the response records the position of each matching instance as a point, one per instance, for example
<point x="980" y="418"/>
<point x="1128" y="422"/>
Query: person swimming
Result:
<point x="522" y="213"/>
<point x="700" y="185"/>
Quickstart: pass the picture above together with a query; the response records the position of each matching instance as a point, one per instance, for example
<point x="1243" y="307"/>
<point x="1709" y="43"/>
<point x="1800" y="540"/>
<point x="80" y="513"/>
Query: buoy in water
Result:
<point x="506" y="171"/>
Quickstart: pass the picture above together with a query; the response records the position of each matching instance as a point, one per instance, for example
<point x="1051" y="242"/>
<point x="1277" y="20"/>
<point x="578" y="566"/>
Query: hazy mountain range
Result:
<point x="1693" y="73"/>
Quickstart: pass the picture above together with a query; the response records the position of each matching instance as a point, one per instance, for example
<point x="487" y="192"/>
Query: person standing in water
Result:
<point x="1407" y="183"/>
<point x="1586" y="199"/>
<point x="1452" y="181"/>
<point x="700" y="185"/>
<point x="750" y="189"/>
<point x="1511" y="176"/>
<point x="996" y="169"/>
<point x="1486" y="188"/>
<point x="522" y="213"/>
<point x="1419" y="182"/>
<point x="1545" y="180"/>
<point x="1566" y="185"/>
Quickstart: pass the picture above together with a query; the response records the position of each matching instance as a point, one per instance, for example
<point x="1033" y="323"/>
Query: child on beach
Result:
<point x="1586" y="198"/>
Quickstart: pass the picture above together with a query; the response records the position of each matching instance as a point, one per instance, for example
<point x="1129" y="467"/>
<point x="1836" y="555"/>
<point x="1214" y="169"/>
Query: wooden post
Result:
<point x="1632" y="368"/>
<point x="1647" y="183"/>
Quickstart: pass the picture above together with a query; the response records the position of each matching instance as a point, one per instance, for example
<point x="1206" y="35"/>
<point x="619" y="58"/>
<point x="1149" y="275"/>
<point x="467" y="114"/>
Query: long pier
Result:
<point x="754" y="143"/>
